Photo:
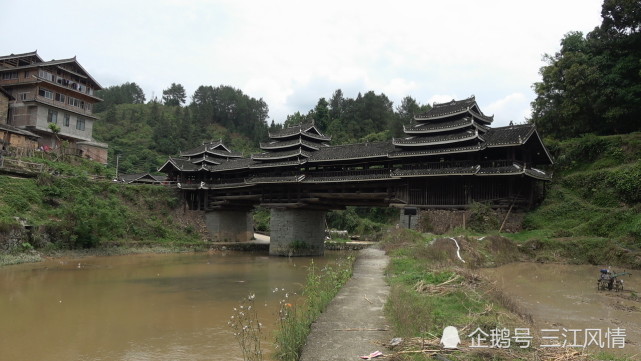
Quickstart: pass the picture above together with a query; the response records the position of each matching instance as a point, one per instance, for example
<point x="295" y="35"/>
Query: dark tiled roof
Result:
<point x="182" y="164"/>
<point x="290" y="143"/>
<point x="433" y="139"/>
<point x="12" y="129"/>
<point x="352" y="151"/>
<point x="277" y="164"/>
<point x="510" y="135"/>
<point x="281" y="154"/>
<point x="436" y="151"/>
<point x="454" y="107"/>
<point x="302" y="129"/>
<point x="205" y="159"/>
<point x="449" y="108"/>
<point x="142" y="178"/>
<point x="213" y="148"/>
<point x="434" y="127"/>
<point x="232" y="164"/>
<point x="14" y="56"/>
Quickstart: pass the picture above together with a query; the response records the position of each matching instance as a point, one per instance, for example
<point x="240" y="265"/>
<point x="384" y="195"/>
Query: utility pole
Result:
<point x="117" y="163"/>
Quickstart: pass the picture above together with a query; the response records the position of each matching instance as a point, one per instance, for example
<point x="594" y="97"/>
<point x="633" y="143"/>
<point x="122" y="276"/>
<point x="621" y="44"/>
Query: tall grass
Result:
<point x="295" y="320"/>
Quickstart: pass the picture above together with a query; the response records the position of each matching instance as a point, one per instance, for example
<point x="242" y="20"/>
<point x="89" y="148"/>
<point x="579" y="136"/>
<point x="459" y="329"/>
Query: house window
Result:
<point x="45" y="75"/>
<point x="74" y="102"/>
<point x="80" y="124"/>
<point x="52" y="117"/>
<point x="66" y="120"/>
<point x="45" y="93"/>
<point x="26" y="74"/>
<point x="60" y="97"/>
<point x="10" y="75"/>
<point x="22" y="96"/>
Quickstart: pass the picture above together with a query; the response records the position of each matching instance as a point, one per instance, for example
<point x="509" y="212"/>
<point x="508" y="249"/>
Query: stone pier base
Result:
<point x="297" y="232"/>
<point x="230" y="226"/>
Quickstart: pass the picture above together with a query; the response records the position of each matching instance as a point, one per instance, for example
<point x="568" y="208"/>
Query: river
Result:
<point x="139" y="307"/>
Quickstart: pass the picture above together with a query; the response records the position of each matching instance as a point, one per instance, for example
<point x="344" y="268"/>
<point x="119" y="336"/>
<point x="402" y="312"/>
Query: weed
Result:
<point x="247" y="329"/>
<point x="295" y="320"/>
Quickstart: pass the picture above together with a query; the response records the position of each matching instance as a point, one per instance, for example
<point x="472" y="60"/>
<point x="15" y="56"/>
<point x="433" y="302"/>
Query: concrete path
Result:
<point x="351" y="326"/>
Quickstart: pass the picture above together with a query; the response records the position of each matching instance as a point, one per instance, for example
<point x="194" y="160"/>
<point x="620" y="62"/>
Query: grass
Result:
<point x="432" y="289"/>
<point x="73" y="211"/>
<point x="295" y="319"/>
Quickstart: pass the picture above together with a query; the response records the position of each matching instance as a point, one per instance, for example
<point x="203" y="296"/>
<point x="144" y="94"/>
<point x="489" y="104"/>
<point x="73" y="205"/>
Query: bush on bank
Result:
<point x="56" y="212"/>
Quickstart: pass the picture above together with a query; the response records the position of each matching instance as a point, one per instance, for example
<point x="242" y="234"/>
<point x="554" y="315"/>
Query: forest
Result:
<point x="142" y="134"/>
<point x="592" y="85"/>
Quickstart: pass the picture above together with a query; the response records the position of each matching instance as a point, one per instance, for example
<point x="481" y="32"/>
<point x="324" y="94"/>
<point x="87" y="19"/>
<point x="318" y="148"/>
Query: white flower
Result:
<point x="252" y="296"/>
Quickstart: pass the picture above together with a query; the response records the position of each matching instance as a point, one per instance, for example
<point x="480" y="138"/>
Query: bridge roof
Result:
<point x="445" y="149"/>
<point x="283" y="144"/>
<point x="437" y="139"/>
<point x="284" y="154"/>
<point x="214" y="148"/>
<point x="517" y="135"/>
<point x="454" y="108"/>
<point x="181" y="164"/>
<point x="306" y="129"/>
<point x="352" y="151"/>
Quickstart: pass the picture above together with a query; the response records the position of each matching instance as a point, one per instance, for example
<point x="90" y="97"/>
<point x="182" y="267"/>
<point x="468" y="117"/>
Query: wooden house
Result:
<point x="57" y="91"/>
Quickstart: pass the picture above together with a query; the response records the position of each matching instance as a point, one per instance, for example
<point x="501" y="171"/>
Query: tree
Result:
<point x="336" y="104"/>
<point x="321" y="114"/>
<point x="174" y="95"/>
<point x="593" y="84"/>
<point x="127" y="93"/>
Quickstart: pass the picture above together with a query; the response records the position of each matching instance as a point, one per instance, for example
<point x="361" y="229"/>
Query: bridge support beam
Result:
<point x="297" y="232"/>
<point x="230" y="226"/>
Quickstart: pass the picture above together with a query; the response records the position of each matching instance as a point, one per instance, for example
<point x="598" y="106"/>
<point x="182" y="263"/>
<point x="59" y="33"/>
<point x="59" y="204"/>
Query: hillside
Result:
<point x="145" y="135"/>
<point x="79" y="207"/>
<point x="596" y="191"/>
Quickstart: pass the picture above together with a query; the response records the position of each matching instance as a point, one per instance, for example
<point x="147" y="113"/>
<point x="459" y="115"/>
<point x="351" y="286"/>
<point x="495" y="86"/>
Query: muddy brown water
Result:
<point x="139" y="307"/>
<point x="566" y="296"/>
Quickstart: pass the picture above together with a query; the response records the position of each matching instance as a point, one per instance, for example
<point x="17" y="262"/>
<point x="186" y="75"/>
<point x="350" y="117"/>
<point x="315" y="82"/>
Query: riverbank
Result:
<point x="438" y="281"/>
<point x="259" y="244"/>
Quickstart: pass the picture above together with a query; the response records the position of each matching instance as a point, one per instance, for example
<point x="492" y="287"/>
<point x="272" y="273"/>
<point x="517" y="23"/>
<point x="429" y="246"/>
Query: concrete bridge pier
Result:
<point x="297" y="232"/>
<point x="230" y="225"/>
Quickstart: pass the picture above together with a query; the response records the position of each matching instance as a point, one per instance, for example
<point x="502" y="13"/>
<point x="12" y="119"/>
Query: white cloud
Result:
<point x="513" y="107"/>
<point x="441" y="98"/>
<point x="290" y="53"/>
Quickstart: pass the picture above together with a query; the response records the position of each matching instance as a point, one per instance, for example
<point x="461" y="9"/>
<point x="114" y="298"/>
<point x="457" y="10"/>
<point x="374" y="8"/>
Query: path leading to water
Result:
<point x="354" y="323"/>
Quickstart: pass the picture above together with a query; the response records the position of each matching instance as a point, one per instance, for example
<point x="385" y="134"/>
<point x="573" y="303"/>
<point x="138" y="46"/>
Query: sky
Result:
<point x="292" y="53"/>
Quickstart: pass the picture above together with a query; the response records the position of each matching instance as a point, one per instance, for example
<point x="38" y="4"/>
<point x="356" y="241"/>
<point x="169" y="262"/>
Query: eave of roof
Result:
<point x="420" y="141"/>
<point x="424" y="128"/>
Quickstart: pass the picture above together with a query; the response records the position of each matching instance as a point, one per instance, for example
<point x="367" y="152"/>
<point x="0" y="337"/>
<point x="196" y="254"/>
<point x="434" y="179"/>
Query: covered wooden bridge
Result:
<point x="450" y="157"/>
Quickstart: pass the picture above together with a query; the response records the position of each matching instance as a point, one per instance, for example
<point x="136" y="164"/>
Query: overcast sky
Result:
<point x="291" y="53"/>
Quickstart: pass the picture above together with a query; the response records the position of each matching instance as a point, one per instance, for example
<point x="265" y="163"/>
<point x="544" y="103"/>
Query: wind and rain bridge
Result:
<point x="449" y="158"/>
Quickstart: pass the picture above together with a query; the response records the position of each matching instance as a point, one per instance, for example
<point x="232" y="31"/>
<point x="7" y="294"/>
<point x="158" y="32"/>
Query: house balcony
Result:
<point x="29" y="97"/>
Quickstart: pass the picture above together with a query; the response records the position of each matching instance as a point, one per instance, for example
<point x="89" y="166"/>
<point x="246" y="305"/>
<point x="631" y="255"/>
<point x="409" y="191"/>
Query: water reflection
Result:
<point x="139" y="307"/>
